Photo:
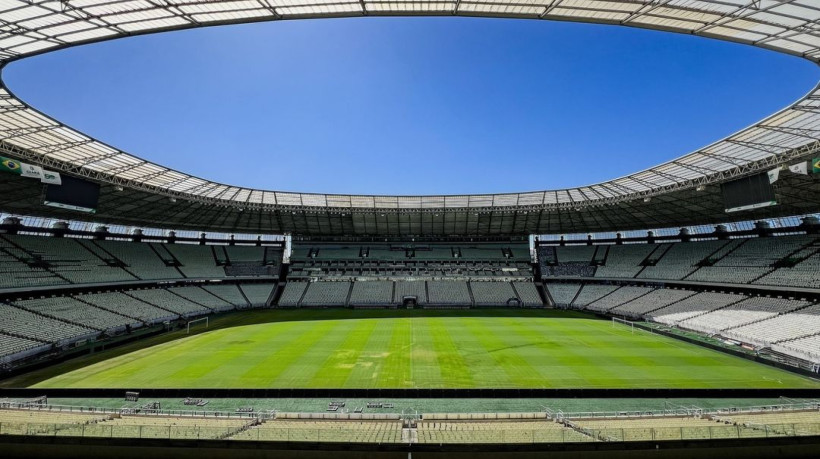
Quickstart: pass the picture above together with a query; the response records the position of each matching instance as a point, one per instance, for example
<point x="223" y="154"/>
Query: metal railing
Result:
<point x="386" y="433"/>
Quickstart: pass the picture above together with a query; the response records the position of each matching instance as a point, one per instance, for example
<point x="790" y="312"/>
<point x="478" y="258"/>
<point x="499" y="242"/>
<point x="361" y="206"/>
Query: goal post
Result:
<point x="628" y="323"/>
<point x="192" y="322"/>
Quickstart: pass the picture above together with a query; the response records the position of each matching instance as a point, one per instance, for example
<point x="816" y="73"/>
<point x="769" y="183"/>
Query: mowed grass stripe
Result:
<point x="424" y="357"/>
<point x="453" y="368"/>
<point x="341" y="360"/>
<point x="281" y="357"/>
<point x="453" y="349"/>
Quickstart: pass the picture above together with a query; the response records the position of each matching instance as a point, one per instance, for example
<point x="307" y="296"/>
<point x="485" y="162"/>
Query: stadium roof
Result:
<point x="29" y="27"/>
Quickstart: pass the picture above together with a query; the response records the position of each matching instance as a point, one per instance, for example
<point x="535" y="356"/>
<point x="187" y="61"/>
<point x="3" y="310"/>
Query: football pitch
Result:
<point x="427" y="349"/>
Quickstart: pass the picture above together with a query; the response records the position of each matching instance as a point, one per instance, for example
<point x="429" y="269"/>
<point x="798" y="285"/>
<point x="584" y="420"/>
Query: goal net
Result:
<point x="195" y="323"/>
<point x="628" y="323"/>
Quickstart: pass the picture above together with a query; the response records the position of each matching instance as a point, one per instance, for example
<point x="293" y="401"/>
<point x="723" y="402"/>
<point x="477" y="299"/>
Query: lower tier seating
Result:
<point x="563" y="294"/>
<point x="258" y="294"/>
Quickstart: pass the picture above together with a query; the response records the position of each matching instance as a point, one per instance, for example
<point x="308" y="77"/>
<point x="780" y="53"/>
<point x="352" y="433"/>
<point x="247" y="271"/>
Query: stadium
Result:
<point x="673" y="311"/>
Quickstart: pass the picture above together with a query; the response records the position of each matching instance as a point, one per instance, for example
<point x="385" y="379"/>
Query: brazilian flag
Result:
<point x="815" y="165"/>
<point x="10" y="165"/>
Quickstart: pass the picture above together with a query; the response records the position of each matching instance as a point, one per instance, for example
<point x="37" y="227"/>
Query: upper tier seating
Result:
<point x="238" y="253"/>
<point x="757" y="257"/>
<point x="682" y="259"/>
<point x="805" y="273"/>
<point x="15" y="272"/>
<point x="763" y="251"/>
<point x="625" y="260"/>
<point x="196" y="260"/>
<point x="393" y="262"/>
<point x="69" y="259"/>
<point x="576" y="253"/>
<point x="140" y="259"/>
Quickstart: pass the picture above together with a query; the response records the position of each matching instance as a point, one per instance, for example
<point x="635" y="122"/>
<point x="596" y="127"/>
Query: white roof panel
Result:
<point x="34" y="26"/>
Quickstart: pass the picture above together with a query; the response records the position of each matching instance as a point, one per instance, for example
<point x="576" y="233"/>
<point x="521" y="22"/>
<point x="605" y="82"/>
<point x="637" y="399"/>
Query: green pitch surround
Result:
<point x="439" y="349"/>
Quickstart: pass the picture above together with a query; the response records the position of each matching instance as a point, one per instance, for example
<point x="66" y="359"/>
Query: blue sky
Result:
<point x="410" y="105"/>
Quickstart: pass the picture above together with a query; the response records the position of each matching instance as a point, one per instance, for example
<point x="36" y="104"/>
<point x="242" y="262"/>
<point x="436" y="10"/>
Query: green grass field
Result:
<point x="426" y="349"/>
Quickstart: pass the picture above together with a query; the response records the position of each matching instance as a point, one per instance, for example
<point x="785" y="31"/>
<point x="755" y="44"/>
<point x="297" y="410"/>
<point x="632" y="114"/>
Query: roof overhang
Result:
<point x="29" y="27"/>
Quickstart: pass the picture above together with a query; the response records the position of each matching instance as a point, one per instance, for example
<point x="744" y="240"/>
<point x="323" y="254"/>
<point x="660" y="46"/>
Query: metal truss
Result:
<point x="30" y="27"/>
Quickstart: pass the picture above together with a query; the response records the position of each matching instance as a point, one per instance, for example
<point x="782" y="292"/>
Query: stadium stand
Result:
<point x="575" y="254"/>
<point x="791" y="326"/>
<point x="16" y="346"/>
<point x="292" y="294"/>
<point x="448" y="294"/>
<point x="592" y="292"/>
<point x="195" y="260"/>
<point x="563" y="294"/>
<point x="372" y="293"/>
<point x="326" y="294"/>
<point x="230" y="293"/>
<point x="18" y="270"/>
<point x="164" y="299"/>
<point x="464" y="428"/>
<point x="69" y="259"/>
<point x="392" y="262"/>
<point x="18" y="322"/>
<point x="618" y="297"/>
<point x="258" y="294"/>
<point x="625" y="260"/>
<point x="683" y="258"/>
<point x="807" y="348"/>
<point x="519" y="431"/>
<point x="693" y="306"/>
<point x="745" y="312"/>
<point x="770" y="422"/>
<point x="528" y="294"/>
<point x="757" y="257"/>
<point x="493" y="294"/>
<point x="325" y="431"/>
<point x="653" y="300"/>
<point x="77" y="312"/>
<point x="139" y="259"/>
<point x="201" y="296"/>
<point x="806" y="272"/>
<point x="120" y="303"/>
<point x="411" y="289"/>
<point x="238" y="253"/>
